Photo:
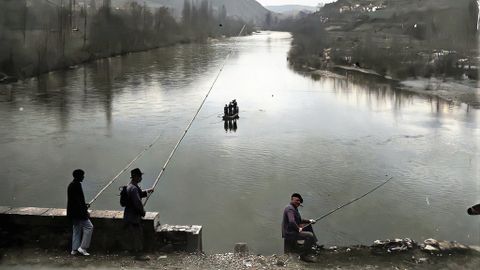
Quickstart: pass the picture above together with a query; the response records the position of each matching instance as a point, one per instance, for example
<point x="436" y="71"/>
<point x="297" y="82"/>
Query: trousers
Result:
<point x="82" y="233"/>
<point x="135" y="237"/>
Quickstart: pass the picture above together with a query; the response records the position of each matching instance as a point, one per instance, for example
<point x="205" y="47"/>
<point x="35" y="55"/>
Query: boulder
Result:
<point x="241" y="248"/>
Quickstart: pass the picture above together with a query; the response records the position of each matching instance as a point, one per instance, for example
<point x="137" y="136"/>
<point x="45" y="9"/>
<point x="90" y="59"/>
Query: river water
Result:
<point x="330" y="139"/>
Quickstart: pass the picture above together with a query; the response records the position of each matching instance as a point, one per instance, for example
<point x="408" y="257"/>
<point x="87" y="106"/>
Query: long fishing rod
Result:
<point x="350" y="202"/>
<point x="191" y="122"/>
<point x="155" y="141"/>
<point x="124" y="169"/>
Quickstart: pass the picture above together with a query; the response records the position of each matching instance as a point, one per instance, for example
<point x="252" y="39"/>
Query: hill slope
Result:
<point x="289" y="9"/>
<point x="247" y="10"/>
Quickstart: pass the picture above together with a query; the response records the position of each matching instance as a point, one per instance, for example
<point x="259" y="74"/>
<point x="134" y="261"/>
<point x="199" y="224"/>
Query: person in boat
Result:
<point x="295" y="228"/>
<point x="235" y="107"/>
<point x="134" y="211"/>
<point x="77" y="212"/>
<point x="230" y="109"/>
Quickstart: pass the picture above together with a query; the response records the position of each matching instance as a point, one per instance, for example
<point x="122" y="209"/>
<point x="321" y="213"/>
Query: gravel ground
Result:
<point x="343" y="258"/>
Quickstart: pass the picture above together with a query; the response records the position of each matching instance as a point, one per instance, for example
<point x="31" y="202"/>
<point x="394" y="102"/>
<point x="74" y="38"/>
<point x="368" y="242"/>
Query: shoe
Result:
<point x="83" y="252"/>
<point x="73" y="252"/>
<point x="308" y="258"/>
<point x="141" y="258"/>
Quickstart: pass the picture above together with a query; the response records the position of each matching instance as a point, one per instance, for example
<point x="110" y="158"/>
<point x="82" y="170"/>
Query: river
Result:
<point x="330" y="139"/>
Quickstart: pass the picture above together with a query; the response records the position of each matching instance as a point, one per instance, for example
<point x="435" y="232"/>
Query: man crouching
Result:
<point x="294" y="229"/>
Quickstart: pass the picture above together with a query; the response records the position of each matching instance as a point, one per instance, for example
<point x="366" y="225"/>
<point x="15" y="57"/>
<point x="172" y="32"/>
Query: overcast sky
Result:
<point x="292" y="2"/>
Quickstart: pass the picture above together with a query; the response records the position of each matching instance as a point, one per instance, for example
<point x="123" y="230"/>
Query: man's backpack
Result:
<point x="123" y="196"/>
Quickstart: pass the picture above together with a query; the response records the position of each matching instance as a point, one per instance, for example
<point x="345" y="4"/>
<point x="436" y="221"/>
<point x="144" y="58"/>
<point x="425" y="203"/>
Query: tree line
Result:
<point x="42" y="35"/>
<point x="433" y="41"/>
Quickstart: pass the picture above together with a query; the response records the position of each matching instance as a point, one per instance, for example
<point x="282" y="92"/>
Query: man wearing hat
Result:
<point x="134" y="211"/>
<point x="294" y="228"/>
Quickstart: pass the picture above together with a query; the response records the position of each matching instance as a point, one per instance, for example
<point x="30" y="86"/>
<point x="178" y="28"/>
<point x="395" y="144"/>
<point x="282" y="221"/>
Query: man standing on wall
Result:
<point x="77" y="212"/>
<point x="134" y="212"/>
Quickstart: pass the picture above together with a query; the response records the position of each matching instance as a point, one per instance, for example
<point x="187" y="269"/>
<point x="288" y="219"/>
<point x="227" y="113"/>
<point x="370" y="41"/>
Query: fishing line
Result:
<point x="350" y="202"/>
<point x="191" y="122"/>
<point x="125" y="168"/>
<point x="158" y="137"/>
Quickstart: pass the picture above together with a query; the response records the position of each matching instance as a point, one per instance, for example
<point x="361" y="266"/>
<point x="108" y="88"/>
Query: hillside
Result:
<point x="292" y="10"/>
<point x="247" y="10"/>
<point x="289" y="9"/>
<point x="398" y="38"/>
<point x="441" y="20"/>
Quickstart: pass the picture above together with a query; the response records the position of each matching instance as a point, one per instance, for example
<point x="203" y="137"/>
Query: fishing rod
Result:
<point x="191" y="122"/>
<point x="158" y="137"/>
<point x="350" y="202"/>
<point x="124" y="169"/>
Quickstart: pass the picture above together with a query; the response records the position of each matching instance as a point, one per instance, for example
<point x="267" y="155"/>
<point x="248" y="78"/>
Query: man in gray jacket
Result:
<point x="294" y="228"/>
<point x="134" y="212"/>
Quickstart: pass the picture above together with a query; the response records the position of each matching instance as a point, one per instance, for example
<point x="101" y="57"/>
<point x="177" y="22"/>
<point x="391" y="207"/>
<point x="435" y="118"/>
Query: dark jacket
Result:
<point x="291" y="221"/>
<point x="76" y="206"/>
<point x="134" y="210"/>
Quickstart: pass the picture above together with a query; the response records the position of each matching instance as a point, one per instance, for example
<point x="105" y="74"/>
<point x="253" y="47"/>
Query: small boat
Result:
<point x="230" y="111"/>
<point x="231" y="117"/>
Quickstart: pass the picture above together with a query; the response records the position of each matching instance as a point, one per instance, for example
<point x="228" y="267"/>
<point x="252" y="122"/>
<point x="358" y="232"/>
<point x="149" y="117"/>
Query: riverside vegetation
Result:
<point x="43" y="35"/>
<point x="398" y="39"/>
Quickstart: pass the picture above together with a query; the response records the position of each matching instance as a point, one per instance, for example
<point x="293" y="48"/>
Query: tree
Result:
<point x="93" y="5"/>
<point x="268" y="19"/>
<point x="223" y="14"/>
<point x="187" y="13"/>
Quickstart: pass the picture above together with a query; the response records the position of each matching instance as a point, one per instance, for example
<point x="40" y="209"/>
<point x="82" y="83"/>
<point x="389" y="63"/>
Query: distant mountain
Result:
<point x="291" y="9"/>
<point x="247" y="10"/>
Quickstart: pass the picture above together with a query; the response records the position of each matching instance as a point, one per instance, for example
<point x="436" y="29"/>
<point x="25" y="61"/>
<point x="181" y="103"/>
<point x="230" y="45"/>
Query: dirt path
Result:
<point x="346" y="258"/>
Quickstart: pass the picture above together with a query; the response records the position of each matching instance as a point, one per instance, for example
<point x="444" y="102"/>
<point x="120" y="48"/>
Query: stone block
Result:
<point x="55" y="212"/>
<point x="27" y="211"/>
<point x="4" y="209"/>
<point x="185" y="237"/>
<point x="241" y="248"/>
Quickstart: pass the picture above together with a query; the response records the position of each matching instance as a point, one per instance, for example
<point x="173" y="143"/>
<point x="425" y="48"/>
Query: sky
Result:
<point x="292" y="2"/>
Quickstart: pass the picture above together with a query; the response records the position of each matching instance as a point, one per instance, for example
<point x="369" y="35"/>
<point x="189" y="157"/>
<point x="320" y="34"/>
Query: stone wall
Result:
<point x="49" y="228"/>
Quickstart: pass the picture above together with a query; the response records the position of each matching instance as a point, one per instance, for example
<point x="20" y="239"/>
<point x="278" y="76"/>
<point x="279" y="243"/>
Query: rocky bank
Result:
<point x="388" y="254"/>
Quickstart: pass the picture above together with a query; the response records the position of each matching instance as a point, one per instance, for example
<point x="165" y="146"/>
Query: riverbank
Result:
<point x="355" y="257"/>
<point x="83" y="57"/>
<point x="449" y="89"/>
<point x="39" y="45"/>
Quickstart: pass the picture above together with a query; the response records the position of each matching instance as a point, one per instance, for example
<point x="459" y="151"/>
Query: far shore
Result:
<point x="85" y="58"/>
<point x="448" y="89"/>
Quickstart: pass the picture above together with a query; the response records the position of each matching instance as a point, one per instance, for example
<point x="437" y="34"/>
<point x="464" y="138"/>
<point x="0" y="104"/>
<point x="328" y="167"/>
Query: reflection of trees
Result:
<point x="96" y="84"/>
<point x="103" y="75"/>
<point x="377" y="93"/>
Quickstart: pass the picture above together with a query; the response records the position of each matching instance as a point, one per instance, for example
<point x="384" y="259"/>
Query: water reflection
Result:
<point x="230" y="125"/>
<point x="378" y="94"/>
